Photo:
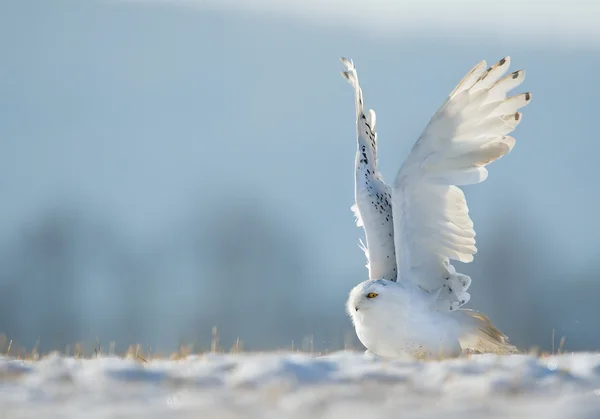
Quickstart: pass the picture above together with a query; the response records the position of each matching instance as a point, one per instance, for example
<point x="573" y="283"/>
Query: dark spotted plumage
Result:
<point x="372" y="195"/>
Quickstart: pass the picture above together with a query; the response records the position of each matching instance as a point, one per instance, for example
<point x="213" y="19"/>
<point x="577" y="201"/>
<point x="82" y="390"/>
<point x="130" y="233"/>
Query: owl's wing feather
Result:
<point x="430" y="214"/>
<point x="373" y="199"/>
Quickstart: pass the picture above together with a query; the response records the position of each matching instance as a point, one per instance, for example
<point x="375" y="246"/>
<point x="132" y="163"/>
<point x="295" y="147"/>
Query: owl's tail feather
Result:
<point x="480" y="335"/>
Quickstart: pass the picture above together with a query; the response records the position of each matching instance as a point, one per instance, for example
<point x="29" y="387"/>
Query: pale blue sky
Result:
<point x="154" y="118"/>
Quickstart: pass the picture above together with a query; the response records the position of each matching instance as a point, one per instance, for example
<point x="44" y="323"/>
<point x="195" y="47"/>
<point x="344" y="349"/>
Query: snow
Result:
<point x="296" y="385"/>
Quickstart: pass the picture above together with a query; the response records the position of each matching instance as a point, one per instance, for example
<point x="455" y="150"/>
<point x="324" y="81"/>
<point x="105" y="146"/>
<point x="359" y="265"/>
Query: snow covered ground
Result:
<point x="292" y="385"/>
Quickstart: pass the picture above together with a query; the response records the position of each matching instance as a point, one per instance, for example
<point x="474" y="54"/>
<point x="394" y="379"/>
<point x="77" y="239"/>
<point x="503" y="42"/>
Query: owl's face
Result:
<point x="369" y="295"/>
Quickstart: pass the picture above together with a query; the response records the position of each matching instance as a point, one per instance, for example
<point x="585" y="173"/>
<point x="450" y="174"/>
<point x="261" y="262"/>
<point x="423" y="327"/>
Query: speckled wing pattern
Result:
<point x="431" y="218"/>
<point x="416" y="227"/>
<point x="373" y="199"/>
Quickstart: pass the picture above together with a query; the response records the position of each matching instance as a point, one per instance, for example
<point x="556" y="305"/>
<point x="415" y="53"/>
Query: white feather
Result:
<point x="431" y="221"/>
<point x="372" y="208"/>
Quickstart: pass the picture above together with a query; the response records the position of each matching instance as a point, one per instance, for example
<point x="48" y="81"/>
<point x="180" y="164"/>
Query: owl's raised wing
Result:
<point x="373" y="200"/>
<point x="431" y="217"/>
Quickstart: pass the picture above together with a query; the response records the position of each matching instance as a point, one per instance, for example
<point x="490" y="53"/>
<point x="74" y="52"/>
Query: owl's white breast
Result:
<point x="401" y="323"/>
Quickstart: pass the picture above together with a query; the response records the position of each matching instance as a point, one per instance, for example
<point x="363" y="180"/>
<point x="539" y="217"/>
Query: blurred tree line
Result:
<point x="70" y="277"/>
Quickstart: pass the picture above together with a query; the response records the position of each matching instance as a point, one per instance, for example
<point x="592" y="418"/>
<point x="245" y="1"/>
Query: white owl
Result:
<point x="411" y="303"/>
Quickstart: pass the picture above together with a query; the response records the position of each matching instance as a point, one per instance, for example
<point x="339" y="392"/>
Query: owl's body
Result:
<point x="401" y="321"/>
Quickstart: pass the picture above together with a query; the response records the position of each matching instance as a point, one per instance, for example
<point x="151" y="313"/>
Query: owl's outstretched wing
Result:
<point x="373" y="199"/>
<point x="431" y="217"/>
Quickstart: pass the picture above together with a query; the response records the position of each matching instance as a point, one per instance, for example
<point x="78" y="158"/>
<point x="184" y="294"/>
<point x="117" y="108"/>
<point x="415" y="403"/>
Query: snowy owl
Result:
<point x="411" y="303"/>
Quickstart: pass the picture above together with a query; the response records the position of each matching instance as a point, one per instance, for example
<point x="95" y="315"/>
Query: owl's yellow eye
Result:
<point x="372" y="295"/>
